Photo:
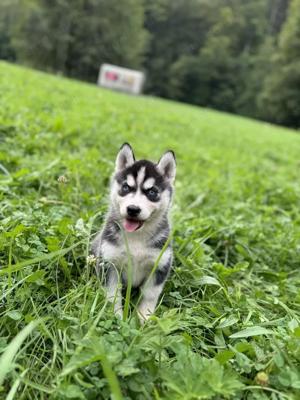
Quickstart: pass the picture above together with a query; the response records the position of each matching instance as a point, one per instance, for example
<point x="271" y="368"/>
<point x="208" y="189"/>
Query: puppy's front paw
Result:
<point x="143" y="314"/>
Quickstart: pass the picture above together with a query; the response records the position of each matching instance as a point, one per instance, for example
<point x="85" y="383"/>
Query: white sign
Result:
<point x="119" y="78"/>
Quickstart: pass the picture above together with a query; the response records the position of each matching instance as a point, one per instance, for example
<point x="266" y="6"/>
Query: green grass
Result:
<point x="228" y="323"/>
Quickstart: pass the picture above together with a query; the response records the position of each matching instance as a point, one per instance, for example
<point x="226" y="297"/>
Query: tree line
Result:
<point x="232" y="55"/>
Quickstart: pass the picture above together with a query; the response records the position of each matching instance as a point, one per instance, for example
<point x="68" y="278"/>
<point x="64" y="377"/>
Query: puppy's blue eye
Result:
<point x="152" y="194"/>
<point x="125" y="188"/>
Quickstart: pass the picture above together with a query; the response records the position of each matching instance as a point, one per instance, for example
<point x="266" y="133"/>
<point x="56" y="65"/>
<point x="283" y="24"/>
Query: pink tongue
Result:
<point x="131" y="225"/>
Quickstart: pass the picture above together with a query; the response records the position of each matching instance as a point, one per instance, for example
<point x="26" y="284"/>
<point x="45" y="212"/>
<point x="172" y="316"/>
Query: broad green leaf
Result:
<point x="252" y="331"/>
<point x="229" y="321"/>
<point x="209" y="280"/>
<point x="14" y="314"/>
<point x="224" y="356"/>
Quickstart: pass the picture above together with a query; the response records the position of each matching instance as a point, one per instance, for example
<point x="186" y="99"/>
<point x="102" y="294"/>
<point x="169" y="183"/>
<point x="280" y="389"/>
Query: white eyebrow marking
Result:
<point x="148" y="183"/>
<point x="130" y="180"/>
<point x="141" y="176"/>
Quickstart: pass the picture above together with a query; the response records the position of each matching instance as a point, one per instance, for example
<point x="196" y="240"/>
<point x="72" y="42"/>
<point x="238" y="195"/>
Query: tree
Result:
<point x="110" y="32"/>
<point x="280" y="97"/>
<point x="7" y="51"/>
<point x="75" y="37"/>
<point x="177" y="29"/>
<point x="218" y="76"/>
<point x="277" y="15"/>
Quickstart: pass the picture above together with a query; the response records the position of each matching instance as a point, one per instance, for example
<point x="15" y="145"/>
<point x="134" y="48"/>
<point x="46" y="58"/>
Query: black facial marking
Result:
<point x="162" y="273"/>
<point x="152" y="194"/>
<point x="150" y="172"/>
<point x="125" y="189"/>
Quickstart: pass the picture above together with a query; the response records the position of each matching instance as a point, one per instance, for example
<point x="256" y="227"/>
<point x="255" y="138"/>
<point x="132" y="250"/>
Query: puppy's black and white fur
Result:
<point x="140" y="199"/>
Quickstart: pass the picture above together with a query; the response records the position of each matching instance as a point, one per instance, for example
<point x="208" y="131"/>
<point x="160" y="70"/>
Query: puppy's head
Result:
<point x="141" y="190"/>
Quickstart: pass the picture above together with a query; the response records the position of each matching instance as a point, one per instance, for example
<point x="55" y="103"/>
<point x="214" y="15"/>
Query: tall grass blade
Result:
<point x="6" y="359"/>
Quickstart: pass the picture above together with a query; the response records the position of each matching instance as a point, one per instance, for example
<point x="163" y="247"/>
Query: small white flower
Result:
<point x="62" y="179"/>
<point x="91" y="260"/>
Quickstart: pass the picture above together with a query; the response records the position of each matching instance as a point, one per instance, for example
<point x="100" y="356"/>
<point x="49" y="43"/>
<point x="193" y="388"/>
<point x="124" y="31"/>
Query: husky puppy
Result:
<point x="140" y="199"/>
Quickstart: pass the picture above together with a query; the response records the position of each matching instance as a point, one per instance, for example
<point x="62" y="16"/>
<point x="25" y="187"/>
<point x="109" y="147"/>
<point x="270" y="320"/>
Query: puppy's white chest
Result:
<point x="140" y="258"/>
<point x="140" y="253"/>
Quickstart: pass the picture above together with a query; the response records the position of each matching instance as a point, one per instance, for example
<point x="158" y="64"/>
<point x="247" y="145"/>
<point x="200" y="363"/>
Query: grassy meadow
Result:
<point x="227" y="325"/>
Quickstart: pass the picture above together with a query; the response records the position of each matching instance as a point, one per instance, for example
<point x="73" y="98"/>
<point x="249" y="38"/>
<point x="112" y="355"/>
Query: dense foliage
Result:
<point x="236" y="55"/>
<point x="228" y="323"/>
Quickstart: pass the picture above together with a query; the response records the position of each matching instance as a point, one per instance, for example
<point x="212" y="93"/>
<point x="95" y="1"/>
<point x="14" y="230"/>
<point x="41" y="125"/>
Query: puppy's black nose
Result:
<point x="133" y="211"/>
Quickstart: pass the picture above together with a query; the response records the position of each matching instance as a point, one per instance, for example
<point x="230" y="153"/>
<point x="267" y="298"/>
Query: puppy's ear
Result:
<point x="167" y="166"/>
<point x="125" y="157"/>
